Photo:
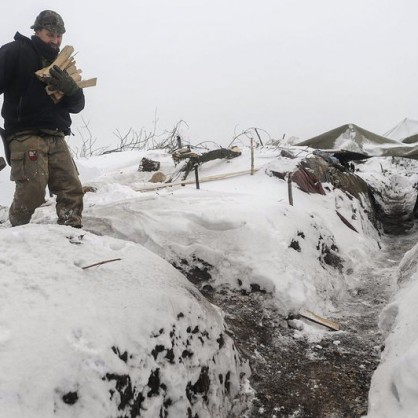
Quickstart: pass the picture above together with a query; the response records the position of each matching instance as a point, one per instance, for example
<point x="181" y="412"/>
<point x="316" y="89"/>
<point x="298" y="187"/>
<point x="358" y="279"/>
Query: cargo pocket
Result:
<point x="22" y="138"/>
<point x="17" y="171"/>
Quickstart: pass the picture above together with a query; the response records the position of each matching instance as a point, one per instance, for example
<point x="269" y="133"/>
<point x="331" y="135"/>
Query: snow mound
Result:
<point x="394" y="388"/>
<point x="113" y="339"/>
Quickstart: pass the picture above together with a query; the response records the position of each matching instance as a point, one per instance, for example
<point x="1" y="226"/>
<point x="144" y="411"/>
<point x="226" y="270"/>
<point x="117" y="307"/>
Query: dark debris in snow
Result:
<point x="292" y="376"/>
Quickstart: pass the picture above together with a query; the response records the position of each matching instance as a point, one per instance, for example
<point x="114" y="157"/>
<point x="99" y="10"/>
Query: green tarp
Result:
<point x="352" y="139"/>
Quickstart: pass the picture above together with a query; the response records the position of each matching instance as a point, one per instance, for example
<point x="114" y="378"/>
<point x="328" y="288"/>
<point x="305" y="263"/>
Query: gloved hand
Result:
<point x="61" y="81"/>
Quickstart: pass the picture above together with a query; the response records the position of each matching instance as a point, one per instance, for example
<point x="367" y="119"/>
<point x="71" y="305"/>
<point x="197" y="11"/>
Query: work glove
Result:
<point x="61" y="81"/>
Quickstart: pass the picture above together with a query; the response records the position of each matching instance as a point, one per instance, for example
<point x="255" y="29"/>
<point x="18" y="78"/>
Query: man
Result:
<point x="35" y="126"/>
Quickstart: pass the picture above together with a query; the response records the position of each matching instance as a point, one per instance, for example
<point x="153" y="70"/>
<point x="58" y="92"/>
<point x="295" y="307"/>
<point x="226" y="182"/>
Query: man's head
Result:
<point x="49" y="20"/>
<point x="49" y="26"/>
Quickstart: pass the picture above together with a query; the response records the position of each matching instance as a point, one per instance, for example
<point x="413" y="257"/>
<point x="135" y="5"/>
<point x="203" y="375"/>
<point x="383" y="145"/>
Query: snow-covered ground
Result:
<point x="137" y="328"/>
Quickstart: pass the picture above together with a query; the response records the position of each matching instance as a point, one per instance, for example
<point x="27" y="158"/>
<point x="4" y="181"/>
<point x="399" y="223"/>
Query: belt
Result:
<point x="39" y="132"/>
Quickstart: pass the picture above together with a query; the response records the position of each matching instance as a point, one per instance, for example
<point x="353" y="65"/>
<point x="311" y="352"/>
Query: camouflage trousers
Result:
<point x="39" y="160"/>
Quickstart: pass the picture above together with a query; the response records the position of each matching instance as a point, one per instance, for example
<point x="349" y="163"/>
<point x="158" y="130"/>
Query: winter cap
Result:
<point x="49" y="20"/>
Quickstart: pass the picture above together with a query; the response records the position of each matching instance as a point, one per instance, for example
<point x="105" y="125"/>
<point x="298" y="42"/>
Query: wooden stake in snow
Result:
<point x="319" y="320"/>
<point x="196" y="174"/>
<point x="252" y="156"/>
<point x="289" y="189"/>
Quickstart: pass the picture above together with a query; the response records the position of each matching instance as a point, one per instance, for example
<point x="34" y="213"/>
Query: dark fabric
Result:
<point x="43" y="49"/>
<point x="27" y="106"/>
<point x="307" y="181"/>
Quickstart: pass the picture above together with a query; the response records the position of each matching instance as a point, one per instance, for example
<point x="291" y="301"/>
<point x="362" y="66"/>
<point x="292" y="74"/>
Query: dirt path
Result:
<point x="298" y="377"/>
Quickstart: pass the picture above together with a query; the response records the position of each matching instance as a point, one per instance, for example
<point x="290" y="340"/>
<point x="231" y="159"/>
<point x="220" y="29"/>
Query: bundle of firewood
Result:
<point x="66" y="62"/>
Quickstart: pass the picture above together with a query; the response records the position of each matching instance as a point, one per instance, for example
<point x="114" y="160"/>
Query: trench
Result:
<point x="295" y="376"/>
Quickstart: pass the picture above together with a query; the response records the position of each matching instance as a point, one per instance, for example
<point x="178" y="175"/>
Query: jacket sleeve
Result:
<point x="8" y="64"/>
<point x="74" y="103"/>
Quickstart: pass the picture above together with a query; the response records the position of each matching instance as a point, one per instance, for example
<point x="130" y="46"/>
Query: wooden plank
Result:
<point x="91" y="82"/>
<point x="66" y="62"/>
<point x="73" y="70"/>
<point x="63" y="59"/>
<point x="57" y="96"/>
<point x="69" y="64"/>
<point x="76" y="77"/>
<point x="319" y="320"/>
<point x="202" y="180"/>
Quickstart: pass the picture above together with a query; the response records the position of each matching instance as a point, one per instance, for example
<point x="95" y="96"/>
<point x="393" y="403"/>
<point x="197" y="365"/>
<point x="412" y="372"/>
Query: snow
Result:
<point x="62" y="325"/>
<point x="395" y="381"/>
<point x="66" y="329"/>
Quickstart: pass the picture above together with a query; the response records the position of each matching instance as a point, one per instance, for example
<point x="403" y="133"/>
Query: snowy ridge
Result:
<point x="244" y="228"/>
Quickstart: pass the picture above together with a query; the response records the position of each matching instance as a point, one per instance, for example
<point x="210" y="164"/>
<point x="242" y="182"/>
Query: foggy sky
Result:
<point x="294" y="67"/>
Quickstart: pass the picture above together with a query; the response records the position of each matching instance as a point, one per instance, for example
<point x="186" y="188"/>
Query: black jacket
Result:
<point x="26" y="105"/>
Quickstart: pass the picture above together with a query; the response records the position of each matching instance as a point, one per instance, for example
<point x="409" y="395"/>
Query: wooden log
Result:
<point x="193" y="158"/>
<point x="147" y="164"/>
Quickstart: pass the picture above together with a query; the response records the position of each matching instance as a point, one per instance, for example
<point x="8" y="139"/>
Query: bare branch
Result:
<point x="100" y="263"/>
<point x="87" y="143"/>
